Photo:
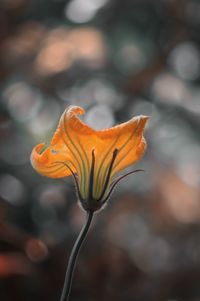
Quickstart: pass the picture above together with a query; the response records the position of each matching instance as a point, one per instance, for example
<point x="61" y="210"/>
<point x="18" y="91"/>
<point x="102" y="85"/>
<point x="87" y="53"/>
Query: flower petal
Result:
<point x="50" y="161"/>
<point x="128" y="139"/>
<point x="80" y="139"/>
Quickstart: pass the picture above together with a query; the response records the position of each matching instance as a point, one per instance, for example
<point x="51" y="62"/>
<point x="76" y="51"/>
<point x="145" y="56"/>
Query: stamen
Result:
<point x="91" y="181"/>
<point x="115" y="152"/>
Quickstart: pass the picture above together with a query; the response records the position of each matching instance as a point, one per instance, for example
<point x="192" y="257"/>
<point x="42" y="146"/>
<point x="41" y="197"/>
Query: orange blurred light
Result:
<point x="36" y="250"/>
<point x="13" y="264"/>
<point x="62" y="48"/>
<point x="181" y="199"/>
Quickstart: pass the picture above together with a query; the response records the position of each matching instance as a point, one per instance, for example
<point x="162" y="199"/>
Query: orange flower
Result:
<point x="92" y="157"/>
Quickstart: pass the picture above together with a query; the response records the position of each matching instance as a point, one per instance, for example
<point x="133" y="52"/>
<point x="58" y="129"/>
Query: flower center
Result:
<point x="91" y="193"/>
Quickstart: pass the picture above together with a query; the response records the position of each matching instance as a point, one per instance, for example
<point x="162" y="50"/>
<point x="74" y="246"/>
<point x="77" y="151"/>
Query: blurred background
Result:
<point x="116" y="59"/>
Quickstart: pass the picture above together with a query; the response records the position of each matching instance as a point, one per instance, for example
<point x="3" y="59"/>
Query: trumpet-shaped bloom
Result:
<point x="93" y="158"/>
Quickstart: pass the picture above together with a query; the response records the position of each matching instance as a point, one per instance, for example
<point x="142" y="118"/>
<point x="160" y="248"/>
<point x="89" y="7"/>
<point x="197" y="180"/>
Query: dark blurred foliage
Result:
<point x="117" y="59"/>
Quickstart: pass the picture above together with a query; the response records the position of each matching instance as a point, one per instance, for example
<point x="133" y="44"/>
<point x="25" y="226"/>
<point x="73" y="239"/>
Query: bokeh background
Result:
<point x="117" y="59"/>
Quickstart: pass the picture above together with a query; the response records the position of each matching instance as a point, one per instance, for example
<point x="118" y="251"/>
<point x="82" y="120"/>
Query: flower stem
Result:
<point x="74" y="254"/>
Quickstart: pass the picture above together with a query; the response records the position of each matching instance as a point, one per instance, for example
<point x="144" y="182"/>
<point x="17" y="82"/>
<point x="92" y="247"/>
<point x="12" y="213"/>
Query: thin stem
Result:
<point x="74" y="254"/>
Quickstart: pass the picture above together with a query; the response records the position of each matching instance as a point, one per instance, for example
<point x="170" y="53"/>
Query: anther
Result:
<point x="115" y="152"/>
<point x="91" y="181"/>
